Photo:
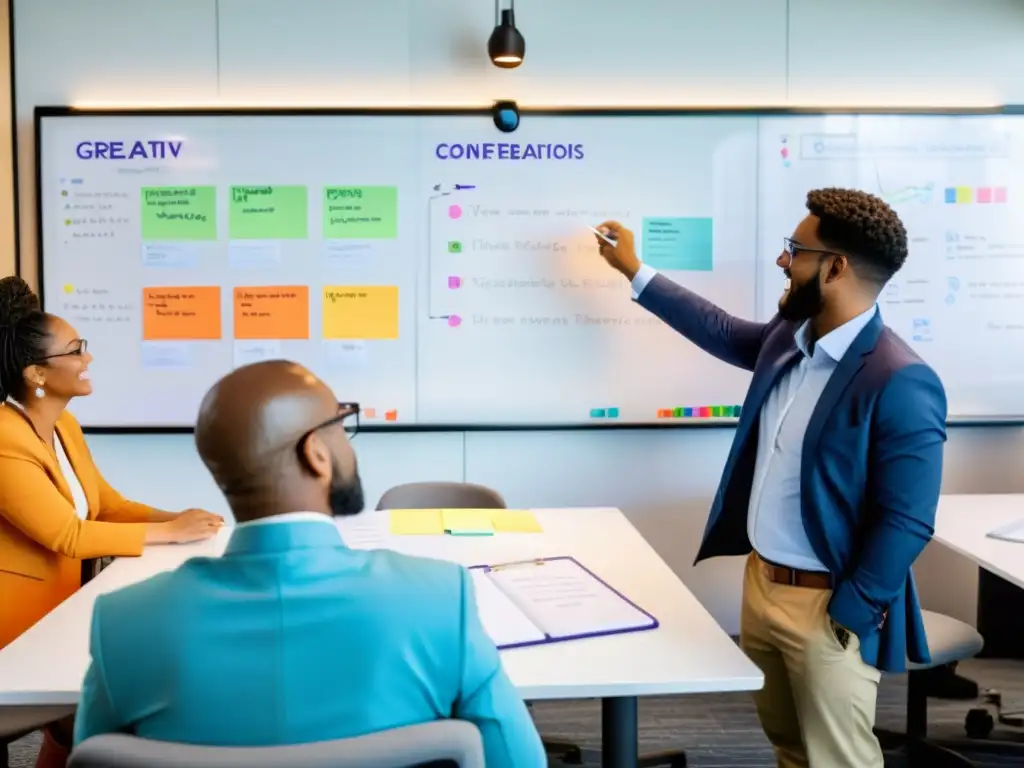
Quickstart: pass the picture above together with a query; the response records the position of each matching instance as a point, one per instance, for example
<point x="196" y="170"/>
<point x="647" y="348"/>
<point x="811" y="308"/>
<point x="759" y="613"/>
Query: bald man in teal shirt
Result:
<point x="291" y="637"/>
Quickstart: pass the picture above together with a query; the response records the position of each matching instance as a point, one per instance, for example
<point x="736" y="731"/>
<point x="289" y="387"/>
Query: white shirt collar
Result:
<point x="836" y="342"/>
<point x="291" y="517"/>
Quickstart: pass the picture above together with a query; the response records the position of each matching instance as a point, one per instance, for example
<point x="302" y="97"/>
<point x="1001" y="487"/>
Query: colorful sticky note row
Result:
<point x="371" y="413"/>
<point x="982" y="195"/>
<point x="462" y="522"/>
<point x="192" y="313"/>
<point x="268" y="212"/>
<point x="700" y="412"/>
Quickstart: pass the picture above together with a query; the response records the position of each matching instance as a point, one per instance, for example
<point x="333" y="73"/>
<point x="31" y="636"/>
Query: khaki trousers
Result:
<point x="817" y="707"/>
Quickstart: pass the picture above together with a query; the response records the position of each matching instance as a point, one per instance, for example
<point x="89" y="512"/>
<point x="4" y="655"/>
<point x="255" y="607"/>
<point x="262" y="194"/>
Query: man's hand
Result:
<point x="621" y="256"/>
<point x="841" y="633"/>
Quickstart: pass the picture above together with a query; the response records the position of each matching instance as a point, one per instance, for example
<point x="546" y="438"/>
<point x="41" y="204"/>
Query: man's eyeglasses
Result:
<point x="791" y="248"/>
<point x="80" y="348"/>
<point x="347" y="416"/>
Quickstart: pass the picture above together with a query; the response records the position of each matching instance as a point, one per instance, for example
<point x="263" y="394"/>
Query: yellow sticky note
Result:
<point x="964" y="194"/>
<point x="467" y="522"/>
<point x="360" y="312"/>
<point x="416" y="522"/>
<point x="515" y="521"/>
<point x="69" y="288"/>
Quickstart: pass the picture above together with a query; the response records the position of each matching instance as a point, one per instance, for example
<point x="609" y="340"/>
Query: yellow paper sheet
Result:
<point x="467" y="522"/>
<point x="416" y="522"/>
<point x="515" y="521"/>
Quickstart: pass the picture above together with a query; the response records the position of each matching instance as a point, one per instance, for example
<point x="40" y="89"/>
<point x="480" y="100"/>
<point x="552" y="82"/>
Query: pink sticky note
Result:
<point x="454" y="321"/>
<point x="454" y="282"/>
<point x="983" y="194"/>
<point x="705" y="412"/>
<point x="1000" y="194"/>
<point x="454" y="211"/>
<point x="785" y="152"/>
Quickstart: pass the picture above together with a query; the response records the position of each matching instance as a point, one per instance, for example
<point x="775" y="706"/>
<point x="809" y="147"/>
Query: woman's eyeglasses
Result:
<point x="80" y="348"/>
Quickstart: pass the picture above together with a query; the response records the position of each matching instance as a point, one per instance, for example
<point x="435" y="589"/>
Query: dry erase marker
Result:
<point x="603" y="236"/>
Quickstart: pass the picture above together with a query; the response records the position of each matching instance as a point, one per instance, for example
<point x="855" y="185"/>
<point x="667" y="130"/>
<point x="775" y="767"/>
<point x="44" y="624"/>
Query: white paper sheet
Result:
<point x="502" y="619"/>
<point x="1009" y="532"/>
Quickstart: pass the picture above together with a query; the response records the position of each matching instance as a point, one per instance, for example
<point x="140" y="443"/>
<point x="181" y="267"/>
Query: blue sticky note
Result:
<point x="678" y="243"/>
<point x="950" y="194"/>
<point x="597" y="413"/>
<point x="613" y="413"/>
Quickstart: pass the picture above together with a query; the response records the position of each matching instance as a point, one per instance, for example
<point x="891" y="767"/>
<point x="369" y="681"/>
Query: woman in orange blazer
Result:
<point x="56" y="510"/>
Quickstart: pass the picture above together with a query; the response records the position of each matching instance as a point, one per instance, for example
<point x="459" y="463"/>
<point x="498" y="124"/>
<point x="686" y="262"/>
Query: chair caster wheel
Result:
<point x="979" y="724"/>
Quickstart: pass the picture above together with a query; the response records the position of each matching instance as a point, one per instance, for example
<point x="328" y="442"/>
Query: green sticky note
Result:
<point x="467" y="522"/>
<point x="352" y="213"/>
<point x="268" y="213"/>
<point x="678" y="243"/>
<point x="179" y="213"/>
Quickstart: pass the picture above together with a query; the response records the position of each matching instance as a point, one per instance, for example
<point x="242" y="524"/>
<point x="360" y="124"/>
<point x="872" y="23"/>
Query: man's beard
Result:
<point x="802" y="302"/>
<point x="346" y="495"/>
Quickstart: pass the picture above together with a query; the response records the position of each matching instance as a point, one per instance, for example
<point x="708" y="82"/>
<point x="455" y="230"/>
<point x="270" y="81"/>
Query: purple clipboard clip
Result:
<point x="548" y="638"/>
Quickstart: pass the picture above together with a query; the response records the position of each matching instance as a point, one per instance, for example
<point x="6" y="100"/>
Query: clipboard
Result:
<point x="512" y="615"/>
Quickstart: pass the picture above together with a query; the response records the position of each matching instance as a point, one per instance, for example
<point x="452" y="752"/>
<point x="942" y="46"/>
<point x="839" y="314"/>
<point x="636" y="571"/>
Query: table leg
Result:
<point x="620" y="741"/>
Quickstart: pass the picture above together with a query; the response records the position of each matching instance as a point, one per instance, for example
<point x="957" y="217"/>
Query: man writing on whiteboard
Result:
<point x="833" y="477"/>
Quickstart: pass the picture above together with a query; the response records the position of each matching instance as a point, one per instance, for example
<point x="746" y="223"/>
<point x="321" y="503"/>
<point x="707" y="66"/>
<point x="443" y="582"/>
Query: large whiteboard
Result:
<point x="441" y="273"/>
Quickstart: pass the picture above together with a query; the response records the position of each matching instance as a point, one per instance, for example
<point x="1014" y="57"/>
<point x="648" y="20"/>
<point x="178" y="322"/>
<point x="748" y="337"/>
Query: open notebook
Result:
<point x="549" y="601"/>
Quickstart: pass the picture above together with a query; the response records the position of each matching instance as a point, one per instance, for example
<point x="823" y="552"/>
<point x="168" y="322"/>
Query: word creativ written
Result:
<point x="153" y="149"/>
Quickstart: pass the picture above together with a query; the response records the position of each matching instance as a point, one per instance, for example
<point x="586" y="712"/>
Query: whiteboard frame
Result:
<point x="41" y="113"/>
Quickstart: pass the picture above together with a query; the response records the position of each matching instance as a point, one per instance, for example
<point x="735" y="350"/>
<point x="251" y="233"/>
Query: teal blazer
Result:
<point x="291" y="637"/>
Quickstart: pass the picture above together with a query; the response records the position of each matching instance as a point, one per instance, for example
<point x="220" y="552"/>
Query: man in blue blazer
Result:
<point x="291" y="637"/>
<point x="833" y="478"/>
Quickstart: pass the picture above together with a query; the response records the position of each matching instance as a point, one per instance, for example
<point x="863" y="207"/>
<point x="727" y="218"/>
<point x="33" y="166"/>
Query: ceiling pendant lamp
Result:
<point x="506" y="46"/>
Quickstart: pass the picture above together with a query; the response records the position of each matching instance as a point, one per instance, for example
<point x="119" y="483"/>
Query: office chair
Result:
<point x="446" y="495"/>
<point x="448" y="743"/>
<point x="949" y="641"/>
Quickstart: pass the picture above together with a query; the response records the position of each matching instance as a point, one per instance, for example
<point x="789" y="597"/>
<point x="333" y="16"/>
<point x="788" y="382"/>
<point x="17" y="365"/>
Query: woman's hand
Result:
<point x="190" y="525"/>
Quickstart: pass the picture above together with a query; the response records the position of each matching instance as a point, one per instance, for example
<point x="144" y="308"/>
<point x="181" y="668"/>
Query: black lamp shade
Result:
<point x="506" y="45"/>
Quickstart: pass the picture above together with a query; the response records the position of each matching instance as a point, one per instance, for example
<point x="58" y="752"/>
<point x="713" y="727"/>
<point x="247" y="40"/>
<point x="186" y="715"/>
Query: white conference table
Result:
<point x="963" y="520"/>
<point x="688" y="653"/>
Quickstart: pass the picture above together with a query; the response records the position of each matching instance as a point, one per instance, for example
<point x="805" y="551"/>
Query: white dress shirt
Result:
<point x="774" y="518"/>
<point x="77" y="492"/>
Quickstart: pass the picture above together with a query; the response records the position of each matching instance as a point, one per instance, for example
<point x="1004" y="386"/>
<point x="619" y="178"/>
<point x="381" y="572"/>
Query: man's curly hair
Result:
<point x="862" y="227"/>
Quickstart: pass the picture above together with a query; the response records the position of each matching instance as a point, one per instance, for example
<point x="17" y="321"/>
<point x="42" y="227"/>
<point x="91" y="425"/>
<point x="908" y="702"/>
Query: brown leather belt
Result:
<point x="795" y="577"/>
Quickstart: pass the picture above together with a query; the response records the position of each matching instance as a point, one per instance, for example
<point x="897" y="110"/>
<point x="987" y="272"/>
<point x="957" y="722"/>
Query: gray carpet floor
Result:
<point x="721" y="731"/>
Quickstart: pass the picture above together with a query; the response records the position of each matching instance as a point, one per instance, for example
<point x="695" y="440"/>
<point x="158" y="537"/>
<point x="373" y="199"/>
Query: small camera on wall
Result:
<point x="506" y="116"/>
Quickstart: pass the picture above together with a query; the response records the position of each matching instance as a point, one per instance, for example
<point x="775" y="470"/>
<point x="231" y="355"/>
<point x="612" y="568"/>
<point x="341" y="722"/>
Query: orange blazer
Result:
<point x="42" y="539"/>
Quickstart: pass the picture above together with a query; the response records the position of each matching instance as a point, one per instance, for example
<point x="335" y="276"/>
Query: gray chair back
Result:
<point x="449" y="743"/>
<point x="441" y="496"/>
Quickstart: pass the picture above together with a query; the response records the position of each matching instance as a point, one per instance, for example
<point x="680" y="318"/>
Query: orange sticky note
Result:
<point x="272" y="312"/>
<point x="188" y="313"/>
